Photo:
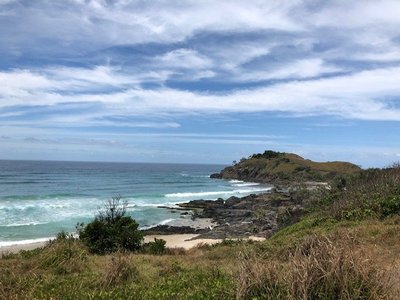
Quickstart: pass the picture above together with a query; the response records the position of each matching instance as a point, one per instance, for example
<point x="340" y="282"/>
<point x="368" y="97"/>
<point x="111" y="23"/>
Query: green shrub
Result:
<point x="268" y="154"/>
<point x="156" y="247"/>
<point x="390" y="206"/>
<point x="111" y="230"/>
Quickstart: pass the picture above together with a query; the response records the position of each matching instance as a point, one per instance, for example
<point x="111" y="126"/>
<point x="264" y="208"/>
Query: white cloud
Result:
<point x="386" y="55"/>
<point x="290" y="32"/>
<point x="84" y="77"/>
<point x="101" y="23"/>
<point x="304" y="68"/>
<point x="183" y="58"/>
<point x="232" y="55"/>
<point x="361" y="95"/>
<point x="357" y="14"/>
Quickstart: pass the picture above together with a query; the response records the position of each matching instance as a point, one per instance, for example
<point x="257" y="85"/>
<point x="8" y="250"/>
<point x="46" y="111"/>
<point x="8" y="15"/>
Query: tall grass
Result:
<point x="64" y="255"/>
<point x="373" y="193"/>
<point x="319" y="268"/>
<point x="120" y="269"/>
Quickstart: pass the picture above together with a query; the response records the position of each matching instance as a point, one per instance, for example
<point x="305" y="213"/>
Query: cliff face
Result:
<point x="277" y="167"/>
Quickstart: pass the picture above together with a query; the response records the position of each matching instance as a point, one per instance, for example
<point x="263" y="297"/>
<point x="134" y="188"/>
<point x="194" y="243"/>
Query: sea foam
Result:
<point x="217" y="193"/>
<point x="24" y="242"/>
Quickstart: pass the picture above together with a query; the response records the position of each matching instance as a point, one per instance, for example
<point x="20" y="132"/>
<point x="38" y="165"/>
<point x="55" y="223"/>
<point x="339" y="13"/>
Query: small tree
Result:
<point x="111" y="230"/>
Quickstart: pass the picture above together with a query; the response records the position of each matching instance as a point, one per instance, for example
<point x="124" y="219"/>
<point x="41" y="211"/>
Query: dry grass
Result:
<point x="345" y="262"/>
<point x="120" y="269"/>
<point x="319" y="268"/>
<point x="349" y="264"/>
<point x="259" y="279"/>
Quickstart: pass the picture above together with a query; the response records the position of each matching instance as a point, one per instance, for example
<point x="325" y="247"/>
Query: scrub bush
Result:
<point x="111" y="230"/>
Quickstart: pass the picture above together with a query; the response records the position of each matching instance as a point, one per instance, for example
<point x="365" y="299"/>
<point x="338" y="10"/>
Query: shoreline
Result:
<point x="188" y="230"/>
<point x="203" y="221"/>
<point x="185" y="241"/>
<point x="18" y="247"/>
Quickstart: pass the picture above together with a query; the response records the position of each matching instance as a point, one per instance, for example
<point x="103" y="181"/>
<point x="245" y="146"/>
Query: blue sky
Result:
<point x="199" y="81"/>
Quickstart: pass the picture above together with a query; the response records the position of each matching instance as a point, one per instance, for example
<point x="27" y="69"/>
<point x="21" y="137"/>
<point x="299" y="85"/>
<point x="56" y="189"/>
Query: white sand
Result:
<point x="18" y="247"/>
<point x="185" y="241"/>
<point x="181" y="240"/>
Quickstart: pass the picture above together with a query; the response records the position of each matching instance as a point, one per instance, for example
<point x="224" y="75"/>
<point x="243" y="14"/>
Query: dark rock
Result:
<point x="166" y="229"/>
<point x="260" y="215"/>
<point x="202" y="203"/>
<point x="232" y="201"/>
<point x="216" y="176"/>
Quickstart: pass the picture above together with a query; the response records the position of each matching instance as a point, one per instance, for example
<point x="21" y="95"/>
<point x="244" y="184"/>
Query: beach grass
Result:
<point x="354" y="259"/>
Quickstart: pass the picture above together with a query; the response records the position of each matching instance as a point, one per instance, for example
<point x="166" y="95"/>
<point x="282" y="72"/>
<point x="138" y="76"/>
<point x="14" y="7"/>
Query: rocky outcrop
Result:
<point x="166" y="229"/>
<point x="216" y="176"/>
<point x="260" y="215"/>
<point x="257" y="215"/>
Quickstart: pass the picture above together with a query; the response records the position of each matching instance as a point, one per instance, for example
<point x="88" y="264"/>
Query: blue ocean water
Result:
<point x="40" y="198"/>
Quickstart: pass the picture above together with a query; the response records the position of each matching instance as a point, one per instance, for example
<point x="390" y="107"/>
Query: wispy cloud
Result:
<point x="300" y="69"/>
<point x="361" y="95"/>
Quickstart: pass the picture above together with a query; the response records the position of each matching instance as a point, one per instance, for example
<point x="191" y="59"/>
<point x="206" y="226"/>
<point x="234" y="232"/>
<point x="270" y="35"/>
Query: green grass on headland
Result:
<point x="280" y="167"/>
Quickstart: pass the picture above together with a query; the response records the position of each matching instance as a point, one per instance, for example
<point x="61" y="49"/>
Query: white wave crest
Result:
<point x="166" y="221"/>
<point x="235" y="181"/>
<point x="217" y="193"/>
<point x="25" y="242"/>
<point x="23" y="224"/>
<point x="246" y="184"/>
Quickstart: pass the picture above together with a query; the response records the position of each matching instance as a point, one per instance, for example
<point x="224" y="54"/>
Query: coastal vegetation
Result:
<point x="284" y="168"/>
<point x="344" y="245"/>
<point x="111" y="230"/>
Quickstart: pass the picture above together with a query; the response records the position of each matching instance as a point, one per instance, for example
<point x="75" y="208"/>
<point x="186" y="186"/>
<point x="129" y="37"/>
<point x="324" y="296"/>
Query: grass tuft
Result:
<point x="119" y="270"/>
<point x="64" y="255"/>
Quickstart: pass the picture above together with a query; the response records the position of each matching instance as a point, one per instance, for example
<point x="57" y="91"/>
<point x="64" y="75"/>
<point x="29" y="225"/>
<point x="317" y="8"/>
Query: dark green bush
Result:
<point x="111" y="230"/>
<point x="268" y="154"/>
<point x="390" y="206"/>
<point x="156" y="247"/>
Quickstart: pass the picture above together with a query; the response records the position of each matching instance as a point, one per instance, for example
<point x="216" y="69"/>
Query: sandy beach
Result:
<point x="188" y="241"/>
<point x="18" y="247"/>
<point x="185" y="241"/>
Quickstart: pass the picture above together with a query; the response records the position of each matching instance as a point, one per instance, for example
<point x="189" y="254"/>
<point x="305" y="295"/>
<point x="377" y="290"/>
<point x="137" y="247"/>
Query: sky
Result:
<point x="199" y="81"/>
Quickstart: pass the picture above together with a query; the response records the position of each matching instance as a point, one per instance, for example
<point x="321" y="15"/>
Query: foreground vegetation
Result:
<point x="347" y="246"/>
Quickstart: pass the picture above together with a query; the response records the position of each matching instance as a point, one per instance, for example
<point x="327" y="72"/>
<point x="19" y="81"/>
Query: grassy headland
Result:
<point x="346" y="245"/>
<point x="284" y="168"/>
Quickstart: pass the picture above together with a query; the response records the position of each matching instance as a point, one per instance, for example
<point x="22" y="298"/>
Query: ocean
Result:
<point x="38" y="199"/>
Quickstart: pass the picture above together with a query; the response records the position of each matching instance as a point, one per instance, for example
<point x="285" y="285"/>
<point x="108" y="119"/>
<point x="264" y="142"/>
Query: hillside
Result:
<point x="279" y="167"/>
